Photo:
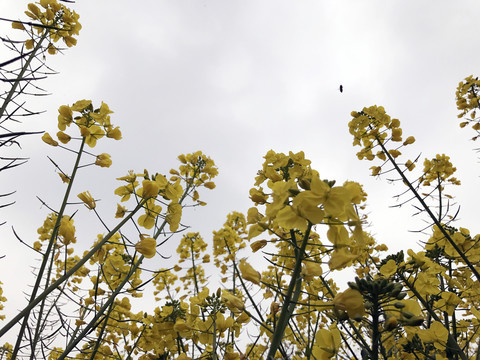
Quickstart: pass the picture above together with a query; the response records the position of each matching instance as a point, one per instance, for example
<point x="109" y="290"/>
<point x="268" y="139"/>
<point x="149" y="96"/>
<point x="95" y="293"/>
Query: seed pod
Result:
<point x="414" y="321"/>
<point x="399" y="305"/>
<point x="407" y="314"/>
<point x="389" y="288"/>
<point x="394" y="293"/>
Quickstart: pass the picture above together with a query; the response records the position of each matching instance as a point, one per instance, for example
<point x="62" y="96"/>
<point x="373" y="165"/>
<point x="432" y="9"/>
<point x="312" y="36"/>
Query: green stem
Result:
<point x="214" y="339"/>
<point x="66" y="276"/>
<point x="291" y="297"/>
<point x="102" y="331"/>
<point x="374" y="328"/>
<point x="244" y="286"/>
<point x="94" y="322"/>
<point x="429" y="212"/>
<point x="439" y="198"/>
<point x="15" y="84"/>
<point x="39" y="326"/>
<point x="451" y="342"/>
<point x="48" y="252"/>
<point x="194" y="267"/>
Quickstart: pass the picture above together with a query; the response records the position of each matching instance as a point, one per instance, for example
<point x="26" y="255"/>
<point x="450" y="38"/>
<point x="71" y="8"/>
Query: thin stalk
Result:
<point x="48" y="252"/>
<point x="374" y="327"/>
<point x="261" y="320"/>
<point x="439" y="198"/>
<point x="430" y="213"/>
<point x="129" y="354"/>
<point x="102" y="331"/>
<point x="291" y="297"/>
<point x="93" y="323"/>
<point x="214" y="339"/>
<point x="194" y="267"/>
<point x="112" y="297"/>
<point x="33" y="54"/>
<point x="66" y="276"/>
<point x="451" y="342"/>
<point x="244" y="286"/>
<point x="40" y="326"/>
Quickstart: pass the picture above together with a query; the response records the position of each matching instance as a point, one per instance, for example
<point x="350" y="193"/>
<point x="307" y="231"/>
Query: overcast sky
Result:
<point x="237" y="78"/>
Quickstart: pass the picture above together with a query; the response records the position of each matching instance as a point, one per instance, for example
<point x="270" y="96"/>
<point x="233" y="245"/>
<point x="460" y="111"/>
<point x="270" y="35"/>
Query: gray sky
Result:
<point x="237" y="78"/>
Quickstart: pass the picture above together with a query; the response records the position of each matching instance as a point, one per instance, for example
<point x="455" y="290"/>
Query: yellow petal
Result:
<point x="146" y="246"/>
<point x="248" y="272"/>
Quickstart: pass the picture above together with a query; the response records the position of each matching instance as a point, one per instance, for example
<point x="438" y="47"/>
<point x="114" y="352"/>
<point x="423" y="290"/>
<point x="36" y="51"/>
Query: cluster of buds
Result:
<point x="379" y="288"/>
<point x="374" y="295"/>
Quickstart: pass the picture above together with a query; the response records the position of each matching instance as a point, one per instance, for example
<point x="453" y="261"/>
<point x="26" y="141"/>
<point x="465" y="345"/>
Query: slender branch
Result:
<point x="291" y="297"/>
<point x="67" y="275"/>
<point x="93" y="323"/>
<point x="429" y="212"/>
<point x="46" y="256"/>
<point x="32" y="55"/>
<point x="451" y="342"/>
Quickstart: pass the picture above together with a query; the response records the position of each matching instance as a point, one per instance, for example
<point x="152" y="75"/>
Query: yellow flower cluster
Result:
<point x="64" y="265"/>
<point x="58" y="21"/>
<point x="176" y="326"/>
<point x="438" y="170"/>
<point x="2" y="300"/>
<point x="469" y="245"/>
<point x="115" y="263"/>
<point x="327" y="343"/>
<point x="101" y="255"/>
<point x="197" y="170"/>
<point x="93" y="124"/>
<point x="228" y="240"/>
<point x="163" y="281"/>
<point x="373" y="127"/>
<point x="65" y="234"/>
<point x="351" y="303"/>
<point x="298" y="196"/>
<point x="467" y="96"/>
<point x="152" y="187"/>
<point x="191" y="246"/>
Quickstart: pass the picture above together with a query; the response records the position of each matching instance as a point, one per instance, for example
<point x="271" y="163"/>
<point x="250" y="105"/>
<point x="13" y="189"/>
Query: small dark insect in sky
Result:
<point x="341" y="88"/>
